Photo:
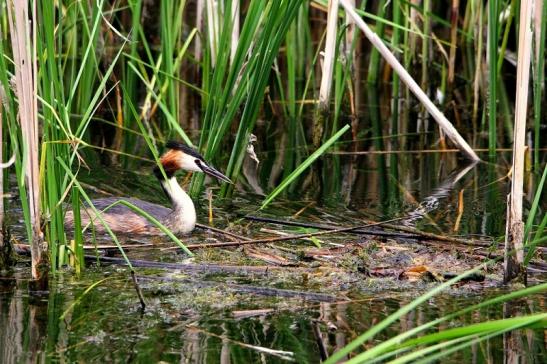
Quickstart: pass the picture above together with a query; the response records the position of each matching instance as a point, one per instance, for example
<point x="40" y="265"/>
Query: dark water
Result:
<point x="207" y="325"/>
<point x="186" y="321"/>
<point x="189" y="322"/>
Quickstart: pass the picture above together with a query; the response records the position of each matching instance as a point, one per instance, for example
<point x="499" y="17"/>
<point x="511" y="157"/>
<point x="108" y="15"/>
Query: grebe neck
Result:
<point x="183" y="218"/>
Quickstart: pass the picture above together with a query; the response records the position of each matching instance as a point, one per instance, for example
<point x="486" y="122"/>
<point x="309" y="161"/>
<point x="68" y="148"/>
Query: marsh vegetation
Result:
<point x="372" y="146"/>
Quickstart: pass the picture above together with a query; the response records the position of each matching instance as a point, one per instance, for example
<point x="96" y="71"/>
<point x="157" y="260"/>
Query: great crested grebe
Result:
<point x="181" y="219"/>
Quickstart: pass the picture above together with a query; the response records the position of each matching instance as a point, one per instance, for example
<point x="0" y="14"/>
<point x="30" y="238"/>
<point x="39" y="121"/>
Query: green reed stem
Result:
<point x="374" y="65"/>
<point x="539" y="84"/>
<point x="493" y="14"/>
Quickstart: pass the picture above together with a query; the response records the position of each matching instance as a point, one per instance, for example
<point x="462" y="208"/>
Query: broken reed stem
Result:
<point x="540" y="33"/>
<point x="25" y="84"/>
<point x="514" y="237"/>
<point x="443" y="122"/>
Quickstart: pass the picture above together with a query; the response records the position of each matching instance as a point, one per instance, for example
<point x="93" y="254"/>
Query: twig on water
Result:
<point x="202" y="268"/>
<point x="223" y="232"/>
<point x="138" y="289"/>
<point x="283" y="238"/>
<point x="410" y="233"/>
<point x="245" y="288"/>
<point x="285" y="355"/>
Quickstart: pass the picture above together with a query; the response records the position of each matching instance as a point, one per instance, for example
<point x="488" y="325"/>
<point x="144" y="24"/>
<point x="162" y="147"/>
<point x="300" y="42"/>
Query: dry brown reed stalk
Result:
<point x="235" y="29"/>
<point x="327" y="70"/>
<point x="213" y="27"/>
<point x="25" y="89"/>
<point x="443" y="122"/>
<point x="514" y="235"/>
<point x="350" y="31"/>
<point x="330" y="53"/>
<point x="200" y="6"/>
<point x="413" y="20"/>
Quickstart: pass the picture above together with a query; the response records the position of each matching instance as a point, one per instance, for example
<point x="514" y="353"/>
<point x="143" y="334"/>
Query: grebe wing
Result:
<point x="121" y="218"/>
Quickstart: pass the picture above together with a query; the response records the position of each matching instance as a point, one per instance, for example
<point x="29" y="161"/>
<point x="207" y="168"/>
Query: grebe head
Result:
<point x="180" y="156"/>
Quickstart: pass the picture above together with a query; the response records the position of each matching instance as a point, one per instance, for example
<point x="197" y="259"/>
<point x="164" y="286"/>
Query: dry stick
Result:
<point x="25" y="248"/>
<point x="437" y="237"/>
<point x="443" y="122"/>
<point x="263" y="291"/>
<point x="331" y="227"/>
<point x="202" y="268"/>
<point x="286" y="355"/>
<point x="284" y="238"/>
<point x="223" y="232"/>
<point x="323" y="352"/>
<point x="138" y="289"/>
<point x="412" y="233"/>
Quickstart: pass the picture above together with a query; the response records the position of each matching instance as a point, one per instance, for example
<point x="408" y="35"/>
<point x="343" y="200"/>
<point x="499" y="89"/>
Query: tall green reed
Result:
<point x="83" y="60"/>
<point x="62" y="95"/>
<point x="238" y="86"/>
<point x="534" y="239"/>
<point x="290" y="76"/>
<point x="493" y="15"/>
<point x="404" y="343"/>
<point x="374" y="65"/>
<point x="538" y="67"/>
